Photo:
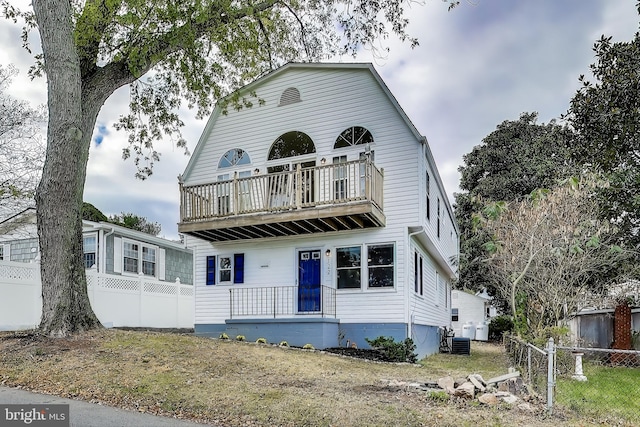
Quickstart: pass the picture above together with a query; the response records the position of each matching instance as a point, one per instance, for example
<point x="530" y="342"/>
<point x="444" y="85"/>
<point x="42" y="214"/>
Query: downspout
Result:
<point x="407" y="290"/>
<point x="103" y="245"/>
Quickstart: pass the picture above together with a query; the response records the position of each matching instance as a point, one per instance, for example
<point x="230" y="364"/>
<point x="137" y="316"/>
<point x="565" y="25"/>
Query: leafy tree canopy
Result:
<point x="200" y="51"/>
<point x="605" y="114"/>
<point x="91" y="213"/>
<point x="511" y="162"/>
<point x="21" y="148"/>
<point x="167" y="52"/>
<point x="136" y="222"/>
<point x="549" y="254"/>
<point x="128" y="220"/>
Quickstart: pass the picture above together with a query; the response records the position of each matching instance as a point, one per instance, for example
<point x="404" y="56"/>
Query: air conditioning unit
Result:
<point x="461" y="346"/>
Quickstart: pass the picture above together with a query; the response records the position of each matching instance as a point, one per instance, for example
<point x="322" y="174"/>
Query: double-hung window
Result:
<point x="377" y="271"/>
<point x="428" y="188"/>
<point x="225" y="269"/>
<point x="438" y="220"/>
<point x="131" y="256"/>
<point x="349" y="267"/>
<point x="1" y="252"/>
<point x="139" y="258"/>
<point x="90" y="250"/>
<point x="148" y="261"/>
<point x="380" y="265"/>
<point x="418" y="273"/>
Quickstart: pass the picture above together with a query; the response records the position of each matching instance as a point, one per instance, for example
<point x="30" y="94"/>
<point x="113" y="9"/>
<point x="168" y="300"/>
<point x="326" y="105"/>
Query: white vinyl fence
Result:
<point x="116" y="300"/>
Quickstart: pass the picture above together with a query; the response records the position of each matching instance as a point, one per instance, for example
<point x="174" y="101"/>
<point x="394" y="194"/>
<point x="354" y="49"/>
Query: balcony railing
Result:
<point x="281" y="301"/>
<point x="318" y="186"/>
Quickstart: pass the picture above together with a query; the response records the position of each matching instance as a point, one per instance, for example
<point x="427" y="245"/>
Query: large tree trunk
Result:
<point x="66" y="308"/>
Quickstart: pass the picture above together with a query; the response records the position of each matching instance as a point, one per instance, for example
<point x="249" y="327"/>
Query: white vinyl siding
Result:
<point x="433" y="306"/>
<point x="446" y="240"/>
<point x="324" y="112"/>
<point x="272" y="262"/>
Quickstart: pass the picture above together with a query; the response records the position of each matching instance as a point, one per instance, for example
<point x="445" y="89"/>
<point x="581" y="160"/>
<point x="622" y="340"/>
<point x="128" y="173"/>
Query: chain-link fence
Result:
<point x="531" y="361"/>
<point x="601" y="384"/>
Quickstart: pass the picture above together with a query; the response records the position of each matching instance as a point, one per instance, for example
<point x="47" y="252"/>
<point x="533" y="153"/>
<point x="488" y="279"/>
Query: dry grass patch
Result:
<point x="234" y="383"/>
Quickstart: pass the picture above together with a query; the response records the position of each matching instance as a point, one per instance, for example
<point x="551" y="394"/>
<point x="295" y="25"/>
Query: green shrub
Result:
<point x="261" y="341"/>
<point x="395" y="351"/>
<point x="240" y="337"/>
<point x="498" y="326"/>
<point x="223" y="336"/>
<point x="284" y="344"/>
<point x="308" y="347"/>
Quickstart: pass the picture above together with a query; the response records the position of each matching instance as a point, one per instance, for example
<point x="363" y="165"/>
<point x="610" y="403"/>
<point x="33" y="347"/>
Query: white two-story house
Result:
<point x="317" y="215"/>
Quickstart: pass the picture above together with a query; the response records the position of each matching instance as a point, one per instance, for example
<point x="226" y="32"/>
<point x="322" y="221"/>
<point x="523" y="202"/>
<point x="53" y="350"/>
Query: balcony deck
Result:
<point x="320" y="199"/>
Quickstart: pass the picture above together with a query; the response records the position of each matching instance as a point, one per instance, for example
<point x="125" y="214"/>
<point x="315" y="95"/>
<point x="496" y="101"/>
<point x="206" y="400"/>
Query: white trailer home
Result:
<point x="317" y="215"/>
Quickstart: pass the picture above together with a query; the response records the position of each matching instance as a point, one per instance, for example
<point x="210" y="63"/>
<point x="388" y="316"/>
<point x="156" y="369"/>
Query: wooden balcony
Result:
<point x="337" y="197"/>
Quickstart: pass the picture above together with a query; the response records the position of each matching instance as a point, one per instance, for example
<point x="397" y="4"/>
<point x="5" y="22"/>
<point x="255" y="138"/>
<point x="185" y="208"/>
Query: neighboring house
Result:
<point x="467" y="308"/>
<point x="19" y="237"/>
<point x="317" y="215"/>
<point x="109" y="248"/>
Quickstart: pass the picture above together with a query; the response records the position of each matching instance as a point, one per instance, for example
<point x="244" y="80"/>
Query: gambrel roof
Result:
<point x="251" y="87"/>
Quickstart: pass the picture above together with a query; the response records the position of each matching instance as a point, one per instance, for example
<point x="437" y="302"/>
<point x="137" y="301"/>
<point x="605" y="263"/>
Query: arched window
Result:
<point x="291" y="144"/>
<point x="354" y="135"/>
<point x="290" y="96"/>
<point x="235" y="157"/>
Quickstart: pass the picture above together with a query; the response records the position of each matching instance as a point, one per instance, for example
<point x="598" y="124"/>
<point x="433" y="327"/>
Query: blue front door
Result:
<point x="309" y="281"/>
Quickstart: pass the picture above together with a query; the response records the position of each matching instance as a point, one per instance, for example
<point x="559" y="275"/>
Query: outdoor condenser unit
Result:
<point x="461" y="346"/>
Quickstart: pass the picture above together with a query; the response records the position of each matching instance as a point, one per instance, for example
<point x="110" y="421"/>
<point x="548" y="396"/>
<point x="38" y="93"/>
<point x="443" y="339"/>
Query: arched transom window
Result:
<point x="235" y="157"/>
<point x="354" y="135"/>
<point x="291" y="144"/>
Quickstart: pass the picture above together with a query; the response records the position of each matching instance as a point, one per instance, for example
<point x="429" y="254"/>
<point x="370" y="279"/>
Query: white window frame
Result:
<point x="140" y="252"/>
<point x="220" y="270"/>
<point x="95" y="252"/>
<point x="359" y="288"/>
<point x="364" y="268"/>
<point x="340" y="178"/>
<point x="418" y="273"/>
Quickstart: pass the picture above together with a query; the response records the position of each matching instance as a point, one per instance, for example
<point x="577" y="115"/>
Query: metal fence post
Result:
<point x="529" y="375"/>
<point x="551" y="351"/>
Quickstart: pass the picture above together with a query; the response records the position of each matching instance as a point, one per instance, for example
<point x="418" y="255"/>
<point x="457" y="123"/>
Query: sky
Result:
<point x="482" y="63"/>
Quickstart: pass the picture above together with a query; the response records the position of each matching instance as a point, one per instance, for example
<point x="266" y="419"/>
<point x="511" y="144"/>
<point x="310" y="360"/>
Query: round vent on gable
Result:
<point x="289" y="96"/>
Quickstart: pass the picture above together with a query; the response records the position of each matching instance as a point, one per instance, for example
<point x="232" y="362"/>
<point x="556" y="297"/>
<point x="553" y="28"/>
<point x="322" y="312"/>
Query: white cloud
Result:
<point x="482" y="63"/>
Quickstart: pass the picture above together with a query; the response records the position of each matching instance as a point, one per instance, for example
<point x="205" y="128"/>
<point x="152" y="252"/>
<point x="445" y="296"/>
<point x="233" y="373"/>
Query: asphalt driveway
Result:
<point x="84" y="414"/>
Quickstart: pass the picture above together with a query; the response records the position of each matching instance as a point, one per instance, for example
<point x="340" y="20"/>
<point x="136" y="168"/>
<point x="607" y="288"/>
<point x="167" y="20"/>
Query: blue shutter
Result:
<point x="211" y="270"/>
<point x="238" y="268"/>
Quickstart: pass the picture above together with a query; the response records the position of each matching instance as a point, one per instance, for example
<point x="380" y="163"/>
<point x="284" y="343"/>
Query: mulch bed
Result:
<point x="360" y="353"/>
